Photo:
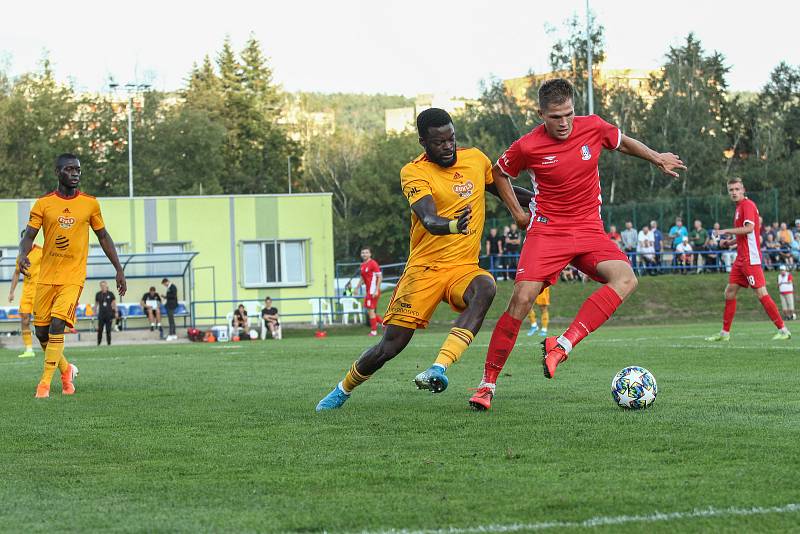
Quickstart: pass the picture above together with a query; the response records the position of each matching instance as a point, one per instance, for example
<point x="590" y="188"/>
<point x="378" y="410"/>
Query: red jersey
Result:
<point x="748" y="246"/>
<point x="369" y="275"/>
<point x="564" y="174"/>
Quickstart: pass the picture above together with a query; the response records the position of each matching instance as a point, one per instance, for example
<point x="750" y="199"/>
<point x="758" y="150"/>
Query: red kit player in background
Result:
<point x="371" y="277"/>
<point x="563" y="226"/>
<point x="746" y="270"/>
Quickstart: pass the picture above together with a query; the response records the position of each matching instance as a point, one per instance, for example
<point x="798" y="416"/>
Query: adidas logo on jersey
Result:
<point x="66" y="210"/>
<point x="458" y="176"/>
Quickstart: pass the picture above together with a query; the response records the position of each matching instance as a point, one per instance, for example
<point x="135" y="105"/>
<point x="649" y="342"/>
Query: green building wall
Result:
<point x="214" y="227"/>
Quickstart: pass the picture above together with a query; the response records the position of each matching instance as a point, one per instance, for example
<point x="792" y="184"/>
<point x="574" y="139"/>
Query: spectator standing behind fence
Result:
<point x="786" y="289"/>
<point x="677" y="233"/>
<point x="772" y="256"/>
<point x="270" y="315"/>
<point x="105" y="306"/>
<point x="151" y="304"/>
<point x="697" y="238"/>
<point x="646" y="249"/>
<point x="785" y="236"/>
<point x="795" y="246"/>
<point x="494" y="249"/>
<point x="658" y="239"/>
<point x="171" y="304"/>
<point x="630" y="240"/>
<point x="712" y="248"/>
<point x="512" y="245"/>
<point x="614" y="236"/>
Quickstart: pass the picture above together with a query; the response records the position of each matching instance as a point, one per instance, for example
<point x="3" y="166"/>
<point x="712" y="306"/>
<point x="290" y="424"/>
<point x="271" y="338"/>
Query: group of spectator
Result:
<point x="701" y="249"/>
<point x="503" y="251"/>
<point x="269" y="313"/>
<point x="106" y="310"/>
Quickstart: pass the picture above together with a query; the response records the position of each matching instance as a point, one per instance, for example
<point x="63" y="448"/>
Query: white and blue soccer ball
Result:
<point x="634" y="388"/>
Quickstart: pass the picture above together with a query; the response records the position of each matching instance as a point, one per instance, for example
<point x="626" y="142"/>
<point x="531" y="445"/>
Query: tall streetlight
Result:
<point x="131" y="89"/>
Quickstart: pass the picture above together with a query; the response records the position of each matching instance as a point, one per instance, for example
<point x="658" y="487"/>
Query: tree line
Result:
<point x="225" y="132"/>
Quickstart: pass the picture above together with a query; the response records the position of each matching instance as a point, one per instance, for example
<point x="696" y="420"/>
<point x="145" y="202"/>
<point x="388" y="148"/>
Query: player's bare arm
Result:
<point x="25" y="246"/>
<point x="508" y="195"/>
<point x="107" y="244"/>
<point x="744" y="230"/>
<point x="667" y="162"/>
<point x="425" y="209"/>
<point x="523" y="195"/>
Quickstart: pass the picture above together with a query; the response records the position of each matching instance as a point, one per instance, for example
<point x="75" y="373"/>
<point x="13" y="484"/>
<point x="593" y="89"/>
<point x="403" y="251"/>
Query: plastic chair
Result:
<point x="350" y="306"/>
<point x="321" y="309"/>
<point x="264" y="329"/>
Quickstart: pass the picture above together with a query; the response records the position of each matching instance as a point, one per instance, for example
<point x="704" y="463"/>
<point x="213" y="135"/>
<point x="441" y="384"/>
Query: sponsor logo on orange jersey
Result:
<point x="463" y="190"/>
<point x="66" y="222"/>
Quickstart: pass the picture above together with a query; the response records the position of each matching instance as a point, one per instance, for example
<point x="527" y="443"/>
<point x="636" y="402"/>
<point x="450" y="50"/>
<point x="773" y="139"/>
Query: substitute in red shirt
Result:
<point x="746" y="271"/>
<point x="371" y="278"/>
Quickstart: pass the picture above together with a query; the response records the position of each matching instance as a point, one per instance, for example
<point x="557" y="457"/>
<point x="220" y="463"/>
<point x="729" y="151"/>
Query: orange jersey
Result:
<point x="452" y="189"/>
<point x="66" y="224"/>
<point x="35" y="257"/>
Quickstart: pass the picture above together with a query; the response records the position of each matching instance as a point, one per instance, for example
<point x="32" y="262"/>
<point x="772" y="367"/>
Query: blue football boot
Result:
<point x="433" y="379"/>
<point x="334" y="399"/>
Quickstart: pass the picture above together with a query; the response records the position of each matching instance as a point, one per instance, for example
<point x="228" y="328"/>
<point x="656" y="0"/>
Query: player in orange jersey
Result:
<point x="446" y="189"/>
<point x="65" y="215"/>
<point x="28" y="295"/>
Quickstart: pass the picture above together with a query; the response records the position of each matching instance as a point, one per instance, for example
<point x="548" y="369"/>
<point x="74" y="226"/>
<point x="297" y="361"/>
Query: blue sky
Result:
<point x="405" y="47"/>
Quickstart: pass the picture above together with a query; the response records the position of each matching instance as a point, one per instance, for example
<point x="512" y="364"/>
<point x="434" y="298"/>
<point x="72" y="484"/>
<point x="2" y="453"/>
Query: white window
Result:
<point x="274" y="263"/>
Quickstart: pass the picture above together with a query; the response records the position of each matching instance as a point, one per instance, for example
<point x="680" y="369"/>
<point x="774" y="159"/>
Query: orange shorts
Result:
<point x="543" y="299"/>
<point x="56" y="301"/>
<point x="28" y="296"/>
<point x="421" y="289"/>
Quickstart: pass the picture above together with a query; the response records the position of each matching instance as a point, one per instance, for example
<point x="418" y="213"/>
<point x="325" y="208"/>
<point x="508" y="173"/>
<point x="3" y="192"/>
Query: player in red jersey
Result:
<point x="371" y="277"/>
<point x="563" y="226"/>
<point x="746" y="270"/>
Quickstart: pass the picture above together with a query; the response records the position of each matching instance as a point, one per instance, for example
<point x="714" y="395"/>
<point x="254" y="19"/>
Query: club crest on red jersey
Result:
<point x="586" y="154"/>
<point x="463" y="190"/>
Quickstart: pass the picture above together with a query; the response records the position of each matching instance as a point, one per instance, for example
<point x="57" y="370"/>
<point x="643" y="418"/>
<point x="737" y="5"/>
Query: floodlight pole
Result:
<point x="589" y="57"/>
<point x="289" y="171"/>
<point x="131" y="89"/>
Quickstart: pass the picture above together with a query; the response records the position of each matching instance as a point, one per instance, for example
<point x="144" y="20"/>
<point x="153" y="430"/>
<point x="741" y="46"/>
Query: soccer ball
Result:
<point x="634" y="388"/>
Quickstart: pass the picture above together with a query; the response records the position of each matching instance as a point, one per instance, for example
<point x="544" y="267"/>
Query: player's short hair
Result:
<point x="366" y="248"/>
<point x="165" y="280"/>
<point x="62" y="158"/>
<point x="432" y="118"/>
<point x="152" y="288"/>
<point x="267" y="298"/>
<point x="735" y="180"/>
<point x="555" y="91"/>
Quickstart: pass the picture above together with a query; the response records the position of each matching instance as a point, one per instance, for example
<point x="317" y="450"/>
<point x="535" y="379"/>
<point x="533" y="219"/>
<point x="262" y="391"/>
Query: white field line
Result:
<point x="605" y="520"/>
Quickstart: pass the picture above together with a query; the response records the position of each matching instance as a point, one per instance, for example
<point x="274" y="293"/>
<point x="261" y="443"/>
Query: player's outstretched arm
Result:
<point x="425" y="210"/>
<point x="666" y="161"/>
<point x="25" y="246"/>
<point x="107" y="244"/>
<point x="508" y="194"/>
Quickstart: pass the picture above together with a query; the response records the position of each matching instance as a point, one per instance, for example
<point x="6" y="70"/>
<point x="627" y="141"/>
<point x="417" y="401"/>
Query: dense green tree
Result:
<point x="35" y="119"/>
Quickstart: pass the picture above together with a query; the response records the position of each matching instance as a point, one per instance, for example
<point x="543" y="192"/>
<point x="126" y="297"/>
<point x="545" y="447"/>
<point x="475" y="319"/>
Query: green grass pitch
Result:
<point x="224" y="437"/>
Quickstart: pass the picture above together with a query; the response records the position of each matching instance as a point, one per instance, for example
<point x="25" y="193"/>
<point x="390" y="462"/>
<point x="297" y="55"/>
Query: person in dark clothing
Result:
<point x="170" y="303"/>
<point x="106" y="310"/>
<point x="512" y="247"/>
<point x="494" y="249"/>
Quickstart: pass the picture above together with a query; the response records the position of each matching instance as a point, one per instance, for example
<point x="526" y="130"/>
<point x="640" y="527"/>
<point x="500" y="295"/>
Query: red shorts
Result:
<point x="547" y="251"/>
<point x="746" y="275"/>
<point x="371" y="302"/>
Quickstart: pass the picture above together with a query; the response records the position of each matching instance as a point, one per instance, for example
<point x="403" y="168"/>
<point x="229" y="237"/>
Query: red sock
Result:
<point x="595" y="311"/>
<point x="727" y="317"/>
<point x="380" y="319"/>
<point x="373" y="323"/>
<point x="772" y="310"/>
<point x="503" y="338"/>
